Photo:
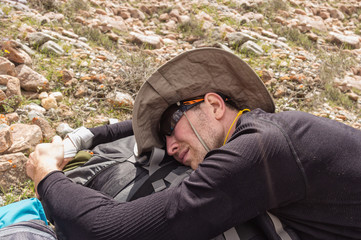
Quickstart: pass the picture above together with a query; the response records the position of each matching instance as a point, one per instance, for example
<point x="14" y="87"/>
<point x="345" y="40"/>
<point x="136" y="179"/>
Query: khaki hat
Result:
<point x="191" y="74"/>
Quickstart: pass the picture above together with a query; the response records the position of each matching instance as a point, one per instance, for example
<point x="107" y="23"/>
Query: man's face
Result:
<point x="184" y="145"/>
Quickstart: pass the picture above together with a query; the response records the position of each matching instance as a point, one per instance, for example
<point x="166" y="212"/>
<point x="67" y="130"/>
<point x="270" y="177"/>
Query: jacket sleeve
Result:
<point x="254" y="172"/>
<point x="112" y="132"/>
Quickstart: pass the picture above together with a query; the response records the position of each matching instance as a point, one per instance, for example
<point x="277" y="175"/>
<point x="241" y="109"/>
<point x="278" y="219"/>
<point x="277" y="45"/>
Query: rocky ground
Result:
<point x="67" y="63"/>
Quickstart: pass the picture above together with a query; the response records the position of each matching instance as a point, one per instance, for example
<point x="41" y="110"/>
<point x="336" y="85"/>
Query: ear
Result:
<point x="216" y="105"/>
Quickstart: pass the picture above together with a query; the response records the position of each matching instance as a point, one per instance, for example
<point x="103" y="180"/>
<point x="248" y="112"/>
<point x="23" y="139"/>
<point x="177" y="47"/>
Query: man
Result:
<point x="304" y="169"/>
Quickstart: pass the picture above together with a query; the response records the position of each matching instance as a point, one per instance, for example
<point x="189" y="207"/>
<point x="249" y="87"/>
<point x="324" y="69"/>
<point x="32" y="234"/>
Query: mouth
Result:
<point x="182" y="156"/>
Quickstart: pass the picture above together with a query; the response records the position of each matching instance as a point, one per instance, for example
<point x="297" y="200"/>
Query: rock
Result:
<point x="6" y="67"/>
<point x="49" y="102"/>
<point x="114" y="22"/>
<point x="55" y="17"/>
<point x="12" y="170"/>
<point x="12" y="117"/>
<point x="267" y="75"/>
<point x="13" y="87"/>
<point x="15" y="54"/>
<point x="353" y="96"/>
<point x="51" y="47"/>
<point x="136" y="13"/>
<point x="236" y="39"/>
<point x="25" y="137"/>
<point x="335" y="13"/>
<point x="3" y="121"/>
<point x="4" y="79"/>
<point x="281" y="91"/>
<point x="37" y="39"/>
<point x="112" y="36"/>
<point x="2" y="95"/>
<point x="6" y="139"/>
<point x="184" y="19"/>
<point x="57" y="95"/>
<point x="324" y="15"/>
<point x="69" y="34"/>
<point x="31" y="80"/>
<point x="43" y="95"/>
<point x="151" y="41"/>
<point x="100" y="11"/>
<point x="164" y="17"/>
<point x="350" y="40"/>
<point x="81" y="91"/>
<point x="314" y="22"/>
<point x="252" y="47"/>
<point x="35" y="108"/>
<point x="119" y="99"/>
<point x="64" y="129"/>
<point x="67" y="75"/>
<point x="46" y="129"/>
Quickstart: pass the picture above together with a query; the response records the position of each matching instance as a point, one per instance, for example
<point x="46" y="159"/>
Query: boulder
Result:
<point x="350" y="40"/>
<point x="15" y="54"/>
<point x="6" y="67"/>
<point x="236" y="39"/>
<point x="252" y="47"/>
<point x="25" y="137"/>
<point x="51" y="47"/>
<point x="37" y="39"/>
<point x="30" y="80"/>
<point x="6" y="139"/>
<point x="120" y="99"/>
<point x="49" y="102"/>
<point x="12" y="170"/>
<point x="46" y="129"/>
<point x="13" y="87"/>
<point x="151" y="41"/>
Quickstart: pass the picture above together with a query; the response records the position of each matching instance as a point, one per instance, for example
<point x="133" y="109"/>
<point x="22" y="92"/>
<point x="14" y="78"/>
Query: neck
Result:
<point x="231" y="123"/>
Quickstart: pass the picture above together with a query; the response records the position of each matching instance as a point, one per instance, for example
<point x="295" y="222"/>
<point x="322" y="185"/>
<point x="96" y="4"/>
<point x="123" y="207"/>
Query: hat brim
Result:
<point x="189" y="75"/>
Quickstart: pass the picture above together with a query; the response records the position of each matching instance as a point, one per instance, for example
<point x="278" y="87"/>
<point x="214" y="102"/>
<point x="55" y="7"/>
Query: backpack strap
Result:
<point x="155" y="159"/>
<point x="231" y="234"/>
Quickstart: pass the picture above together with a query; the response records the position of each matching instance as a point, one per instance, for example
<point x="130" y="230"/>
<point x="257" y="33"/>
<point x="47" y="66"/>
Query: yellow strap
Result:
<point x="238" y="115"/>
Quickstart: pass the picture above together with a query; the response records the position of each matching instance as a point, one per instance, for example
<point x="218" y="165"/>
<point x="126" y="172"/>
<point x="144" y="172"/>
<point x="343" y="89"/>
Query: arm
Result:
<point x="83" y="138"/>
<point x="112" y="132"/>
<point x="233" y="184"/>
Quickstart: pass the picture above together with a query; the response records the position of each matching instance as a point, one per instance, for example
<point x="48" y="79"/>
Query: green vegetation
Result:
<point x="15" y="194"/>
<point x="192" y="28"/>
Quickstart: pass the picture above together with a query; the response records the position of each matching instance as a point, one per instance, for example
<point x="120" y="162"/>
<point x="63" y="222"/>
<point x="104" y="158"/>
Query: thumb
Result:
<point x="57" y="139"/>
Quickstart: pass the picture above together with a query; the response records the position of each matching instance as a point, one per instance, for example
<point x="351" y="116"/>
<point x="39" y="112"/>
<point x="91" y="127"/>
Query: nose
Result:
<point x="172" y="145"/>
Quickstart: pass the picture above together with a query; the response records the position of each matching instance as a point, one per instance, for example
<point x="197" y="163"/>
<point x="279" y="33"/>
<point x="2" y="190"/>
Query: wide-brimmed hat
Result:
<point x="191" y="74"/>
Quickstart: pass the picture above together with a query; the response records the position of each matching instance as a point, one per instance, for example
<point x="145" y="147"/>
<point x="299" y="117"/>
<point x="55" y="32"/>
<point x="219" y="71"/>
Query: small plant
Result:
<point x="192" y="28"/>
<point x="15" y="194"/>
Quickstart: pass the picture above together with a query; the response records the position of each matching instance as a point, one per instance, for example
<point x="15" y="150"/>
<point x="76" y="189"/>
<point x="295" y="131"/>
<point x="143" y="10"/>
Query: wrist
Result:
<point x="41" y="173"/>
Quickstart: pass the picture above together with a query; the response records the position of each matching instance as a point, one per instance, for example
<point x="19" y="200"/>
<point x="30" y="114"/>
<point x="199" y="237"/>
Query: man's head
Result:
<point x="190" y="75"/>
<point x="196" y="126"/>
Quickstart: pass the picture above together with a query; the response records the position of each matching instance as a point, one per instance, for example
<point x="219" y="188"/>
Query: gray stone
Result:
<point x="51" y="47"/>
<point x="6" y="67"/>
<point x="236" y="39"/>
<point x="6" y="139"/>
<point x="37" y="39"/>
<point x="35" y="108"/>
<point x="151" y="41"/>
<point x="30" y="80"/>
<point x="64" y="129"/>
<point x="252" y="47"/>
<point x="12" y="170"/>
<point x="25" y="137"/>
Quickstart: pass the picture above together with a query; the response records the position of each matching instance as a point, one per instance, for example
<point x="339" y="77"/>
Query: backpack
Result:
<point x="24" y="220"/>
<point x="113" y="169"/>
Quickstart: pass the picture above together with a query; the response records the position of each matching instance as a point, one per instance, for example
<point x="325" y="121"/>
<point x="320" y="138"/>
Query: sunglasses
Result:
<point x="172" y="115"/>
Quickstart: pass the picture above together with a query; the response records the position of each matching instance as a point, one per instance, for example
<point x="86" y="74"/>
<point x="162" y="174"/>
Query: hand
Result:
<point x="47" y="157"/>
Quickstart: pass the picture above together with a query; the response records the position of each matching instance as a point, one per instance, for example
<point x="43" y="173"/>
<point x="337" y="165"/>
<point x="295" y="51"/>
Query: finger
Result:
<point x="57" y="139"/>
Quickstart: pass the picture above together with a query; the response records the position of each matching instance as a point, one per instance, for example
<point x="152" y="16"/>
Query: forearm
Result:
<point x="82" y="213"/>
<point x="109" y="133"/>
